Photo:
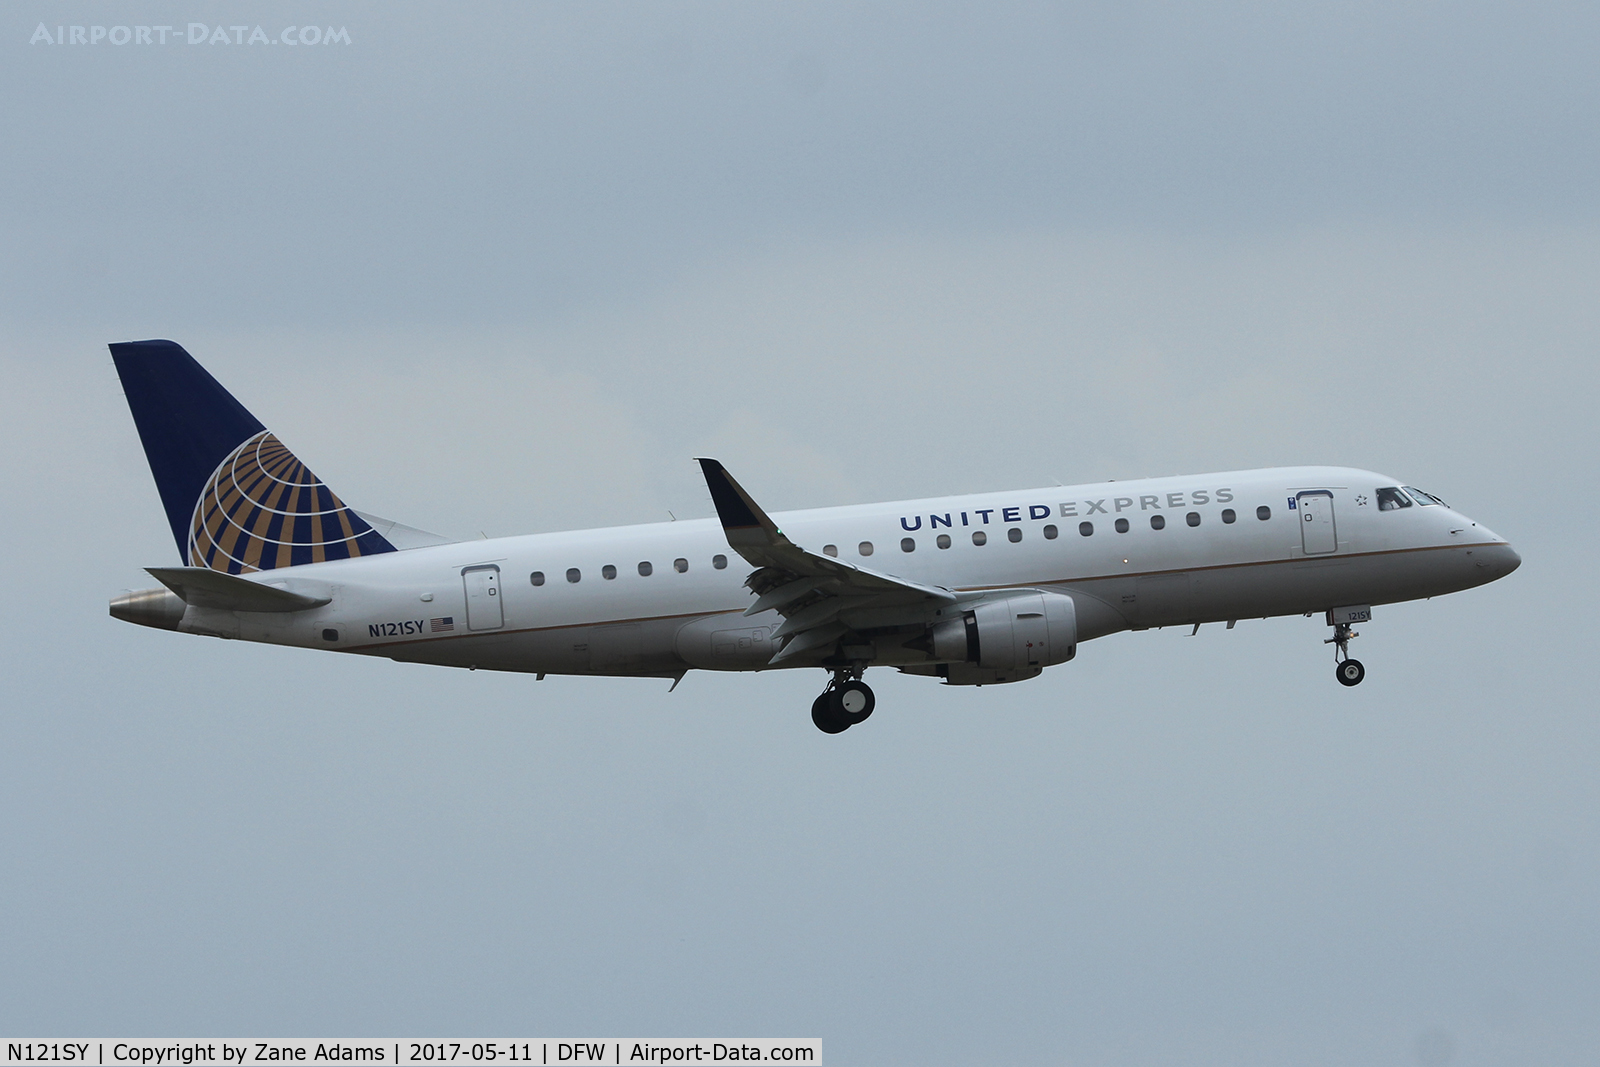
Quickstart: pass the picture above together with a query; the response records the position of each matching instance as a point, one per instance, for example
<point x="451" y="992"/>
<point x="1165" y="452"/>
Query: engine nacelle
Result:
<point x="1016" y="635"/>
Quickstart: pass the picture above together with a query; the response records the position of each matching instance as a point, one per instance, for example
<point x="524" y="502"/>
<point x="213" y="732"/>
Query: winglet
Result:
<point x="746" y="525"/>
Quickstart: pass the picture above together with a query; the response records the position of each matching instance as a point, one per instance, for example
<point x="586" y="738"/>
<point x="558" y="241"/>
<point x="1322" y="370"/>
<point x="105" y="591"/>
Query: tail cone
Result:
<point x="160" y="608"/>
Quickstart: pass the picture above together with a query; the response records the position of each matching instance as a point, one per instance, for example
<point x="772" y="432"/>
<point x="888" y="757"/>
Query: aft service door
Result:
<point x="483" y="598"/>
<point x="1317" y="533"/>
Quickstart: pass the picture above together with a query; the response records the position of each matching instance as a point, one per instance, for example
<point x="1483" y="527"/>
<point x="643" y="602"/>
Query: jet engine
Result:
<point x="1006" y="639"/>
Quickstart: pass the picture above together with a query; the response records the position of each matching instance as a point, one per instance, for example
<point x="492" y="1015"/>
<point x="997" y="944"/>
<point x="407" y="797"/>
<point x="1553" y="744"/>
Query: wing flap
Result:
<point x="811" y="641"/>
<point x="826" y="610"/>
<point x="784" y="595"/>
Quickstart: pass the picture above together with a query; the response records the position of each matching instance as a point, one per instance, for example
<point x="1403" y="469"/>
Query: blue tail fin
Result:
<point x="237" y="499"/>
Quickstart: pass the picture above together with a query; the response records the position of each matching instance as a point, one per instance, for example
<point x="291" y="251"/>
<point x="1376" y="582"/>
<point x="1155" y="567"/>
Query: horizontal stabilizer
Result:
<point x="205" y="588"/>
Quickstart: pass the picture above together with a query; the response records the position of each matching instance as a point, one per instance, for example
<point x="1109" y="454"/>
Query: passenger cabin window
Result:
<point x="719" y="561"/>
<point x="943" y="540"/>
<point x="608" y="572"/>
<point x="645" y="569"/>
<point x="1122" y="525"/>
<point x="1229" y="516"/>
<point x="1193" y="518"/>
<point x="574" y="575"/>
<point x="1086" y="529"/>
<point x="1425" y="499"/>
<point x="830" y="550"/>
<point x="1263" y="513"/>
<point x="1392" y="500"/>
<point x="908" y="544"/>
<point x="865" y="548"/>
<point x="1050" y="532"/>
<point x="680" y="565"/>
<point x="1158" y="522"/>
<point x="537" y="577"/>
<point x="979" y="537"/>
<point x="1014" y="535"/>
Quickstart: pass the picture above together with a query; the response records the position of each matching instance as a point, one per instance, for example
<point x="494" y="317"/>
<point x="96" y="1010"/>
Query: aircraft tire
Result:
<point x="853" y="701"/>
<point x="825" y="717"/>
<point x="1350" y="672"/>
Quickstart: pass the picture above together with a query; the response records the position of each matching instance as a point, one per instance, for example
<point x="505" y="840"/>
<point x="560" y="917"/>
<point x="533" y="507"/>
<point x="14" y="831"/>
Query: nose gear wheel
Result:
<point x="1348" y="671"/>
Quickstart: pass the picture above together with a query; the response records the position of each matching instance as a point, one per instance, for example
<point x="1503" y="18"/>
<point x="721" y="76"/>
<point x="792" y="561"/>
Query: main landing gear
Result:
<point x="847" y="701"/>
<point x="1348" y="671"/>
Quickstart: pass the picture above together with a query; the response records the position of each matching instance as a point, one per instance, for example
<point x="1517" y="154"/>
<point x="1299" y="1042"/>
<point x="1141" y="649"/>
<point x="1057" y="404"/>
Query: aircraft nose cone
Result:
<point x="1500" y="560"/>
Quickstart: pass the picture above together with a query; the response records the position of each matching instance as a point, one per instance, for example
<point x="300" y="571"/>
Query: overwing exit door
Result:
<point x="1317" y="533"/>
<point x="483" y="598"/>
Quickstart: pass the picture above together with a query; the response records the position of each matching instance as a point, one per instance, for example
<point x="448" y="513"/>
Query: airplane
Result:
<point x="971" y="590"/>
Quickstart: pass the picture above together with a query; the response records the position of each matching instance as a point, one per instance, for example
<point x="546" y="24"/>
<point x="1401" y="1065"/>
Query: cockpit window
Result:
<point x="1392" y="500"/>
<point x="1425" y="499"/>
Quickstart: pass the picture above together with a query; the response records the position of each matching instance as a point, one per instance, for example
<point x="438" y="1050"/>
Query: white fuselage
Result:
<point x="1323" y="543"/>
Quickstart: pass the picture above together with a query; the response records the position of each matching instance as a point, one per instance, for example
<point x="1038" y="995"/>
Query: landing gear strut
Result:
<point x="847" y="701"/>
<point x="1348" y="671"/>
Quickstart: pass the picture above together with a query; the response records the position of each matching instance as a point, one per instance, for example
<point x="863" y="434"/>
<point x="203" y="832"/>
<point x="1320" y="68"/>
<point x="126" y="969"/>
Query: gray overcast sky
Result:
<point x="505" y="268"/>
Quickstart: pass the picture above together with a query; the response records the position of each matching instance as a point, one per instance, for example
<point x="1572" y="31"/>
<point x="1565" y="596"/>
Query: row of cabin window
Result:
<point x="1085" y="529"/>
<point x="608" y="572"/>
<point x="909" y="544"/>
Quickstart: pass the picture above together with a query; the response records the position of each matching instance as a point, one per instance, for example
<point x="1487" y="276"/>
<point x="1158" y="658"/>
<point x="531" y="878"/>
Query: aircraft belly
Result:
<point x="1096" y="612"/>
<point x="728" y="642"/>
<point x="621" y="650"/>
<point x="1290" y="587"/>
<point x="1424" y="573"/>
<point x="635" y="648"/>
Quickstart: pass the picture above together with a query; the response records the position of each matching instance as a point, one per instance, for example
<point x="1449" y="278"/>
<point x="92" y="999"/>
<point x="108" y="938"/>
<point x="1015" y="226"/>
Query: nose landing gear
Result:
<point x="1348" y="671"/>
<point x="847" y="701"/>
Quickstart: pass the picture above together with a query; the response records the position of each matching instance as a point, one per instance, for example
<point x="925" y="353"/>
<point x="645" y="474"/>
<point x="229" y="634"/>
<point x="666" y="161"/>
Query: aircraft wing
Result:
<point x="812" y="592"/>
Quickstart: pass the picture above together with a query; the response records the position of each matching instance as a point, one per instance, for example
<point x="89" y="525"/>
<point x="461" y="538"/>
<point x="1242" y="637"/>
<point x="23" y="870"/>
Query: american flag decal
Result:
<point x="441" y="625"/>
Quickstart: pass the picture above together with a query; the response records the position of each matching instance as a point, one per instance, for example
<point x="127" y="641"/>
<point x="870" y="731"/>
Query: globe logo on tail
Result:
<point x="262" y="509"/>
